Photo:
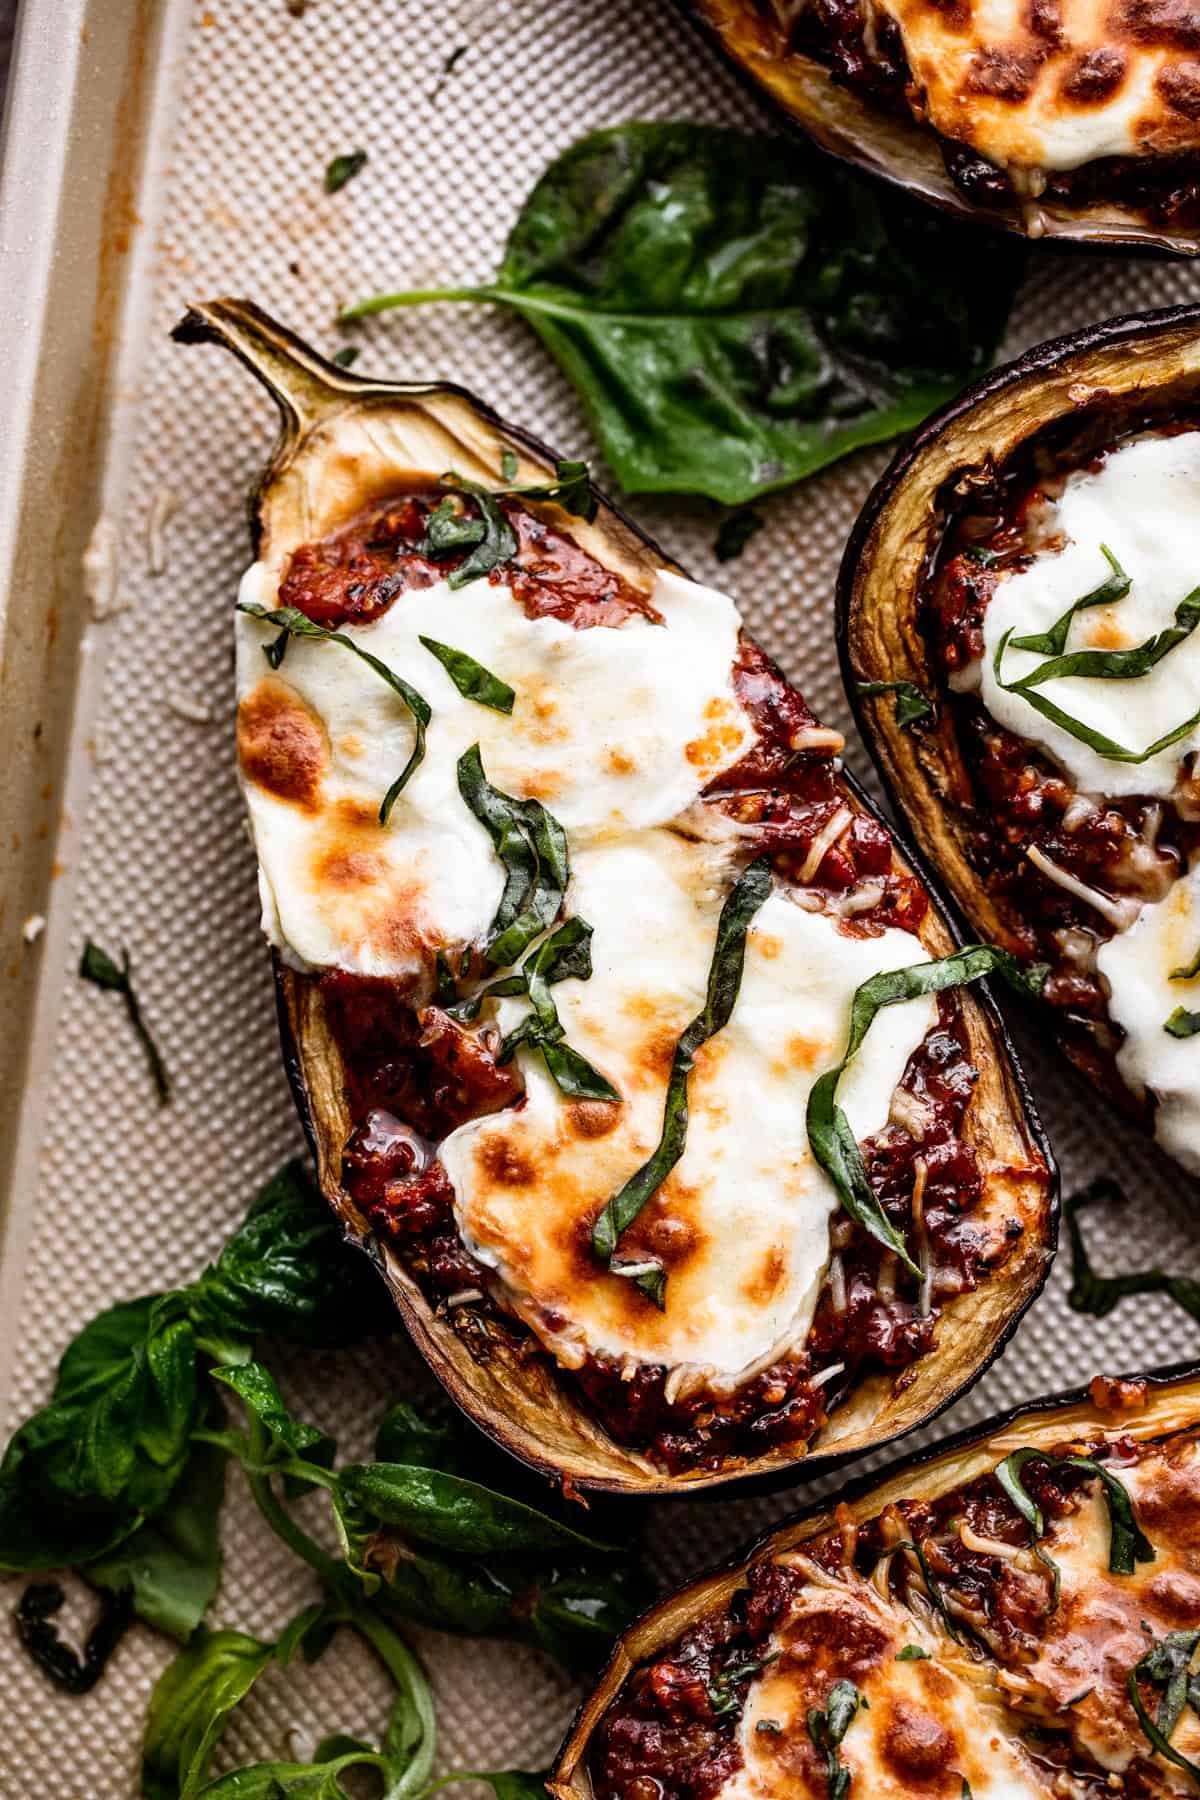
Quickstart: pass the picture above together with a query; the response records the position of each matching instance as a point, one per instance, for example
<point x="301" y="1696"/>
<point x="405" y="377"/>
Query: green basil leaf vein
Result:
<point x="296" y="624"/>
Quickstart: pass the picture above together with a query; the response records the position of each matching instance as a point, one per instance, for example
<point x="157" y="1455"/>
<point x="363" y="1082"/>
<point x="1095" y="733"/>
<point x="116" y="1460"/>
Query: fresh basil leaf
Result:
<point x="911" y="703"/>
<point x="574" y="1076"/>
<point x="288" y="1272"/>
<point x="450" y="1512"/>
<point x="257" y="1389"/>
<point x="343" y="169"/>
<point x="33" y="1617"/>
<point x="532" y="846"/>
<point x="98" y="967"/>
<point x="1054" y="641"/>
<point x="347" y="356"/>
<point x="410" y="1742"/>
<point x="510" y="1784"/>
<point x="724" y="981"/>
<point x="408" y="1436"/>
<point x="575" y="1616"/>
<point x="310" y="1634"/>
<point x="829" y="1132"/>
<point x="472" y="680"/>
<point x="170" y="1567"/>
<point x="912" y="1653"/>
<point x="725" y="1690"/>
<point x="190" y="1708"/>
<point x="734" y="313"/>
<point x="1009" y="1476"/>
<point x="1182" y="1023"/>
<point x="1099" y="1294"/>
<point x="295" y="624"/>
<point x="735" y="532"/>
<point x="1161" y="1666"/>
<point x="292" y="1781"/>
<point x="85" y="1471"/>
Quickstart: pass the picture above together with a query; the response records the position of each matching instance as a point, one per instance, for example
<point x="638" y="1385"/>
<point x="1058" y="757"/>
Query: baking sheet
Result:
<point x="115" y="1196"/>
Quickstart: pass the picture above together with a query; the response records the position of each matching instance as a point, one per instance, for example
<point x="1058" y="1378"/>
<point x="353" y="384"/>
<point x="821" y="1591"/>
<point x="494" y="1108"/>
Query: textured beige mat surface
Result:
<point x="129" y="1198"/>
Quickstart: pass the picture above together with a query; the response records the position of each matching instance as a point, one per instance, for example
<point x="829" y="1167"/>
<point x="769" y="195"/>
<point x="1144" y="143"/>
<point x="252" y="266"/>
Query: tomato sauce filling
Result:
<point x="672" y="1733"/>
<point x="1017" y="797"/>
<point x="413" y="1074"/>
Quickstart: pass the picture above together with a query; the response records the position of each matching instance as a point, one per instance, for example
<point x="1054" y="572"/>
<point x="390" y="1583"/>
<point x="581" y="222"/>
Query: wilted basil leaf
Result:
<point x="343" y="169"/>
<point x="98" y="967"/>
<point x="38" y="1635"/>
<point x="1098" y="1294"/>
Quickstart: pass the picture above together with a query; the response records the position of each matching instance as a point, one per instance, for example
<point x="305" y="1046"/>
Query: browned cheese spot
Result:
<point x="1093" y="77"/>
<point x="1001" y="74"/>
<point x="916" y="1746"/>
<point x="1178" y="84"/>
<point x="762" y="1284"/>
<point x="1170" y="24"/>
<point x="282" y="746"/>
<point x="504" y="1164"/>
<point x="591" y="1118"/>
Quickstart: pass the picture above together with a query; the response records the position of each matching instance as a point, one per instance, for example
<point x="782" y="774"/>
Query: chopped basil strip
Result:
<point x="650" y="1276"/>
<point x="829" y="1131"/>
<point x="1165" y="1666"/>
<point x="735" y="532"/>
<point x="724" y="980"/>
<point x="532" y="845"/>
<point x="496" y="544"/>
<point x="828" y="1725"/>
<point x="472" y="680"/>
<point x="1054" y="641"/>
<point x="296" y="624"/>
<point x="1189" y="970"/>
<point x="448" y="529"/>
<point x="567" y="952"/>
<point x="911" y="703"/>
<point x="1027" y="978"/>
<point x="1127" y="1543"/>
<point x="493" y="539"/>
<point x="979" y="553"/>
<point x="343" y="169"/>
<point x="912" y="1653"/>
<point x="933" y="1589"/>
<point x="1182" y="1023"/>
<point x="1106" y="665"/>
<point x="346" y="357"/>
<point x="571" y="489"/>
<point x="97" y="966"/>
<point x="1099" y="1294"/>
<point x="722" y="1696"/>
<point x="965" y="1791"/>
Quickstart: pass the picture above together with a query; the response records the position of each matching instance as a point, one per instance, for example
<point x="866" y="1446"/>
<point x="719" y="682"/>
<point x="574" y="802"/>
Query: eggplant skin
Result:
<point x="893" y="146"/>
<point x="1172" y="1403"/>
<point x="1145" y="361"/>
<point x="326" y="460"/>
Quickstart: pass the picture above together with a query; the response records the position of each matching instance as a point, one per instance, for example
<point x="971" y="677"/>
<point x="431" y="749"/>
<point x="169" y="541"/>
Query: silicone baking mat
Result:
<point x="129" y="1197"/>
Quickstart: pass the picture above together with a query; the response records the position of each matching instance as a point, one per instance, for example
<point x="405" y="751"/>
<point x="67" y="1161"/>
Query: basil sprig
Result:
<point x="828" y="1725"/>
<point x="829" y="1131"/>
<point x="1054" y="641"/>
<point x="1127" y="1543"/>
<point x="1105" y="665"/>
<point x="532" y="845"/>
<point x="1099" y="1294"/>
<point x="472" y="680"/>
<point x="724" y="981"/>
<point x="296" y="624"/>
<point x="1166" y="1666"/>
<point x="911" y="703"/>
<point x="98" y="967"/>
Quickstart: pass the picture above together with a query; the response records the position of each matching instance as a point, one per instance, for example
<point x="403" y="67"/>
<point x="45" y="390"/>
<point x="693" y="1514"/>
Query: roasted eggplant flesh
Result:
<point x="531" y="814"/>
<point x="1003" y="1620"/>
<point x="1052" y="121"/>
<point x="1054" y="614"/>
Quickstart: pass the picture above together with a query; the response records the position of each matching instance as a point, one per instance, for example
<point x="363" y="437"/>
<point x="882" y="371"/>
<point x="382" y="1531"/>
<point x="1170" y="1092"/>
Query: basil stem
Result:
<point x="532" y="846"/>
<point x="1054" y="641"/>
<point x="97" y="966"/>
<point x="828" y="1725"/>
<point x="297" y="624"/>
<point x="1099" y="1294"/>
<point x="911" y="703"/>
<point x="724" y="980"/>
<point x="472" y="680"/>
<point x="1127" y="1544"/>
<point x="1165" y="1665"/>
<point x="1182" y="1023"/>
<point x="829" y="1131"/>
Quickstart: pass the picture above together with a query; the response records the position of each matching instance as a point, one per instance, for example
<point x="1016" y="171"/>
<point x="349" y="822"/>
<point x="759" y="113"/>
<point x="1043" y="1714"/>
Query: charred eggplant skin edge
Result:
<point x="1044" y="363"/>
<point x="663" y="1624"/>
<point x="241" y="327"/>
<point x="851" y="129"/>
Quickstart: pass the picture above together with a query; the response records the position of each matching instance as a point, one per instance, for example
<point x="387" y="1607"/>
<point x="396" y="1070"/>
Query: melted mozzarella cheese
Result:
<point x="925" y="1727"/>
<point x="1137" y="966"/>
<point x="1144" y="504"/>
<point x="1098" y="82"/>
<point x="742" y="1224"/>
<point x="612" y="729"/>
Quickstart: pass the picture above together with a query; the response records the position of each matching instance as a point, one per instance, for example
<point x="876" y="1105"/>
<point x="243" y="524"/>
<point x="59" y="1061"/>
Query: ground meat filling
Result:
<point x="413" y="1074"/>
<point x="869" y="59"/>
<point x="1018" y="798"/>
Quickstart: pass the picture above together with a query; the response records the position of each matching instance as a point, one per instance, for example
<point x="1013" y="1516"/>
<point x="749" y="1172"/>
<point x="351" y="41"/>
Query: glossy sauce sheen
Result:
<point x="665" y="792"/>
<point x="1031" y="1701"/>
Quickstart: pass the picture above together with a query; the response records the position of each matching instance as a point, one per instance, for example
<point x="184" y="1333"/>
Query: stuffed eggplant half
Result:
<point x="610" y="1006"/>
<point x="1030" y="563"/>
<point x="1053" y="120"/>
<point x="1016" y="1615"/>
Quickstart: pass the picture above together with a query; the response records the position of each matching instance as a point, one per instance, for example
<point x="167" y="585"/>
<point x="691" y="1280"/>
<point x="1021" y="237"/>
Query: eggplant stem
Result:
<point x="305" y="387"/>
